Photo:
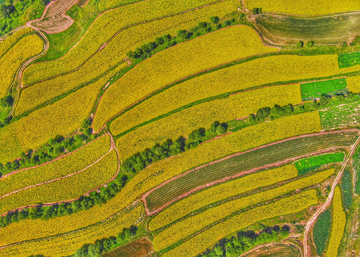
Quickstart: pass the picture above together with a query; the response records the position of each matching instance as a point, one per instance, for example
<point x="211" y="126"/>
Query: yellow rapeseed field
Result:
<point x="304" y="7"/>
<point x="220" y="192"/>
<point x="109" y="23"/>
<point x="6" y="44"/>
<point x="285" y="206"/>
<point x="176" y="125"/>
<point x="61" y="118"/>
<point x="65" y="245"/>
<point x="69" y="164"/>
<point x="64" y="189"/>
<point x="251" y="74"/>
<point x="178" y="62"/>
<point x="203" y="115"/>
<point x="163" y="170"/>
<point x="105" y="59"/>
<point x="338" y="224"/>
<point x="353" y="84"/>
<point x="17" y="55"/>
<point x="195" y="223"/>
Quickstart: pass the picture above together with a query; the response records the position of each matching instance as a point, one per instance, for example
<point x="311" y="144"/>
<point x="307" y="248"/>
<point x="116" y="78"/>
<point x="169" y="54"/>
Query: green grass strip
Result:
<point x="313" y="90"/>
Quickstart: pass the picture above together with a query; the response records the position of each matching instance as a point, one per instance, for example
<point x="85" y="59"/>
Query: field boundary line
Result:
<point x="144" y="196"/>
<point x="328" y="200"/>
<point x="56" y="159"/>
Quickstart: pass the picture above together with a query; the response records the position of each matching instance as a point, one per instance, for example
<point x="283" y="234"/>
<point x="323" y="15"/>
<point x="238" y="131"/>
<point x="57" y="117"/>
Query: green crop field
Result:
<point x="310" y="91"/>
<point x="312" y="163"/>
<point x="322" y="231"/>
<point x="192" y="128"/>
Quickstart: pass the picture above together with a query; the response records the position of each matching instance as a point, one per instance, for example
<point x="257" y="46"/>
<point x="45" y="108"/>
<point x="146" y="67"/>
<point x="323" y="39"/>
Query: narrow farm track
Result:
<point x="327" y="203"/>
<point x="17" y="81"/>
<point x="239" y="174"/>
<point x="57" y="179"/>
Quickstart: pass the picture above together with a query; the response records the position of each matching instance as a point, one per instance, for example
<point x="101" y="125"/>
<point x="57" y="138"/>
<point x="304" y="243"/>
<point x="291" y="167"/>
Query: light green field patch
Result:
<point x="313" y="90"/>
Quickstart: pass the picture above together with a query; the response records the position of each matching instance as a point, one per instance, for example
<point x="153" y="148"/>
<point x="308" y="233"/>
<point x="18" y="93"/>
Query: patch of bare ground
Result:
<point x="139" y="248"/>
<point x="54" y="20"/>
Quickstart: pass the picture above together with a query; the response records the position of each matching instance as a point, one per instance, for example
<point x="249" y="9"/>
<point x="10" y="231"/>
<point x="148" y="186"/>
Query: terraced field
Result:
<point x="192" y="128"/>
<point x="238" y="164"/>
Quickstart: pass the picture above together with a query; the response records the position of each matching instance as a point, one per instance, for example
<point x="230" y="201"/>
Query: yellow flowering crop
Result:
<point x="353" y="84"/>
<point x="67" y="244"/>
<point x="6" y="44"/>
<point x="220" y="192"/>
<point x="178" y="62"/>
<point x="113" y="53"/>
<point x="69" y="164"/>
<point x="109" y="23"/>
<point x="236" y="106"/>
<point x="195" y="223"/>
<point x="304" y="7"/>
<point x="163" y="170"/>
<point x="177" y="125"/>
<point x="11" y="61"/>
<point x="64" y="189"/>
<point x="61" y="118"/>
<point x="205" y="239"/>
<point x="338" y="224"/>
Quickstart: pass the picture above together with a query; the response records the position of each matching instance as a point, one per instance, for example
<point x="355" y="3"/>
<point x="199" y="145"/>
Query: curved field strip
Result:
<point x="61" y="118"/>
<point x="353" y="84"/>
<point x="240" y="164"/>
<point x="27" y="47"/>
<point x="65" y="189"/>
<point x="304" y="7"/>
<point x="106" y="59"/>
<point x="178" y="62"/>
<point x="282" y="207"/>
<point x="338" y="224"/>
<point x="158" y="173"/>
<point x="7" y="43"/>
<point x="220" y="192"/>
<point x="176" y="125"/>
<point x="273" y="69"/>
<point x="112" y="4"/>
<point x="203" y="115"/>
<point x="195" y="223"/>
<point x="69" y="243"/>
<point x="66" y="165"/>
<point x="104" y="28"/>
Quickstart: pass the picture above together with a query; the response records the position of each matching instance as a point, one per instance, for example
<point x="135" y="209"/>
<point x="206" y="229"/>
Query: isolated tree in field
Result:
<point x="214" y="19"/>
<point x="202" y="25"/>
<point x="221" y="129"/>
<point x="310" y="44"/>
<point x="300" y="44"/>
<point x="214" y="126"/>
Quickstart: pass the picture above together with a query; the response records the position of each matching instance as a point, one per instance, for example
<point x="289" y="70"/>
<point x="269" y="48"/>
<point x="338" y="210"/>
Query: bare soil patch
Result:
<point x="140" y="248"/>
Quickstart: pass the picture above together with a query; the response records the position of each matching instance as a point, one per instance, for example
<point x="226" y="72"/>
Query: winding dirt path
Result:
<point x="327" y="203"/>
<point x="143" y="197"/>
<point x="17" y="81"/>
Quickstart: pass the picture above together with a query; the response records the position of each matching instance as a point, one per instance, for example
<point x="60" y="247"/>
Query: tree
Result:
<point x="214" y="126"/>
<point x="159" y="41"/>
<point x="202" y="25"/>
<point x="300" y="44"/>
<point x="310" y="44"/>
<point x="263" y="113"/>
<point x="324" y="101"/>
<point x="276" y="110"/>
<point x="288" y="109"/>
<point x="214" y="19"/>
<point x="252" y="119"/>
<point x="221" y="129"/>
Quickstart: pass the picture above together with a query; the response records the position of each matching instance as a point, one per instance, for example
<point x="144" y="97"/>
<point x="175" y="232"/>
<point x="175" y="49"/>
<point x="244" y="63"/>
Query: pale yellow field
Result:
<point x="61" y="118"/>
<point x="67" y="244"/>
<point x="69" y="164"/>
<point x="126" y="40"/>
<point x="203" y="115"/>
<point x="220" y="192"/>
<point x="242" y="76"/>
<point x="178" y="62"/>
<point x="11" y="61"/>
<point x="109" y="23"/>
<point x="353" y="84"/>
<point x="285" y="206"/>
<point x="338" y="224"/>
<point x="151" y="177"/>
<point x="197" y="222"/>
<point x="304" y="7"/>
<point x="64" y="189"/>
